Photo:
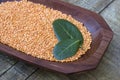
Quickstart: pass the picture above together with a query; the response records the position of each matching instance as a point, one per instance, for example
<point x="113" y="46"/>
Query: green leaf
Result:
<point x="66" y="48"/>
<point x="66" y="30"/>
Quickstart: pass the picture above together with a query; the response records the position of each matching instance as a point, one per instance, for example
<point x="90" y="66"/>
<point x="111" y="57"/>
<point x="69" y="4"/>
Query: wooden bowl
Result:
<point x="101" y="37"/>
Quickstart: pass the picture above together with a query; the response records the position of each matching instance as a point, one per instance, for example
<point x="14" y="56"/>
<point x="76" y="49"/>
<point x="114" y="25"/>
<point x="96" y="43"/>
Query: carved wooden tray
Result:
<point x="101" y="37"/>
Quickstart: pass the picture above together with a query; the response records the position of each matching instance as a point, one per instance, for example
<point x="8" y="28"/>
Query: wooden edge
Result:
<point x="105" y="31"/>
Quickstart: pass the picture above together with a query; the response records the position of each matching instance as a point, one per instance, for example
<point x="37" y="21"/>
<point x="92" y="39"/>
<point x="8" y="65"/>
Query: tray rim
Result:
<point x="106" y="32"/>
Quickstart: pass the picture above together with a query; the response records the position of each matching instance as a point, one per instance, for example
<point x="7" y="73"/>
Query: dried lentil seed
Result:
<point x="27" y="27"/>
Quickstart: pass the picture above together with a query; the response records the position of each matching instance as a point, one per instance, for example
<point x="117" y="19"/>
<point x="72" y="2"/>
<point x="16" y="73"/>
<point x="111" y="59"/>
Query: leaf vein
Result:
<point x="69" y="46"/>
<point x="66" y="31"/>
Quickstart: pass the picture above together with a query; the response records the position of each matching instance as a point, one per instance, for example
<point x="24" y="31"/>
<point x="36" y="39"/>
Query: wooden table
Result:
<point x="109" y="67"/>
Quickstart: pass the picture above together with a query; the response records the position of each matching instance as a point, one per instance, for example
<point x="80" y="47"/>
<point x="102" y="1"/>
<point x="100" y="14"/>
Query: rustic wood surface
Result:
<point x="108" y="69"/>
<point x="93" y="5"/>
<point x="100" y="32"/>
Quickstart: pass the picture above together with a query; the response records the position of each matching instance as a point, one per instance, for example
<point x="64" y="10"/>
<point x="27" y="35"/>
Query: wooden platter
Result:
<point x="101" y="37"/>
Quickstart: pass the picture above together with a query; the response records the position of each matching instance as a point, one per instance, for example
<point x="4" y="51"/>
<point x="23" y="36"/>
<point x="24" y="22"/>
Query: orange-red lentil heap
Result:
<point x="27" y="27"/>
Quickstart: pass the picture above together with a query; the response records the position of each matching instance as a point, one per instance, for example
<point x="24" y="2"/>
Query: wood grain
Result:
<point x="89" y="75"/>
<point x="18" y="72"/>
<point x="93" y="5"/>
<point x="42" y="74"/>
<point x="5" y="63"/>
<point x="109" y="68"/>
<point x="101" y="35"/>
